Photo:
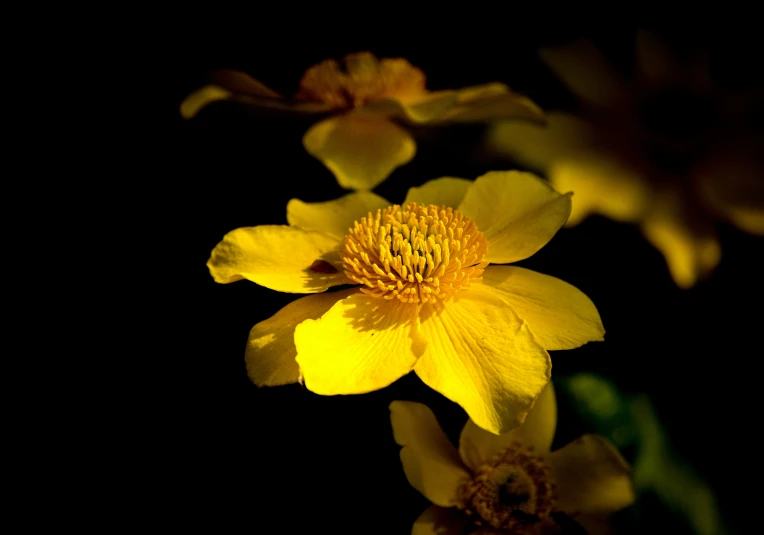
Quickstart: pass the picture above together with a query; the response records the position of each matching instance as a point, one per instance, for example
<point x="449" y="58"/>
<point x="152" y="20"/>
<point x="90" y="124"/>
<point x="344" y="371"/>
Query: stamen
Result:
<point x="513" y="492"/>
<point x="417" y="254"/>
<point x="361" y="79"/>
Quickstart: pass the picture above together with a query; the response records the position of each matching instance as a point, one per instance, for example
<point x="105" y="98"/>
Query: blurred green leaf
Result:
<point x="669" y="490"/>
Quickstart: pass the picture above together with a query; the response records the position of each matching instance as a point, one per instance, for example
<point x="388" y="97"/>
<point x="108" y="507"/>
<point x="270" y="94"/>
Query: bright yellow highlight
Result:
<point x="424" y="297"/>
<point x="511" y="483"/>
<point x="361" y="79"/>
<point x="362" y="142"/>
<point x="418" y="254"/>
<point x="631" y="157"/>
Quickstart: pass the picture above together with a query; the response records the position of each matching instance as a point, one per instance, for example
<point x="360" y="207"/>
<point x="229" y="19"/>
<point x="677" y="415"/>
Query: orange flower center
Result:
<point x="360" y="79"/>
<point x="418" y="253"/>
<point x="513" y="491"/>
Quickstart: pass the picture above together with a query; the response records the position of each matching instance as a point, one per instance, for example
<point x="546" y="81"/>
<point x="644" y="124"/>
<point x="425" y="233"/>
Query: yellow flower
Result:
<point x="428" y="301"/>
<point x="360" y="142"/>
<point x="509" y="484"/>
<point x="669" y="152"/>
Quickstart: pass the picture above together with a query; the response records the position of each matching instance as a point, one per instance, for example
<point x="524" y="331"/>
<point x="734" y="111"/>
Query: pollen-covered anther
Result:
<point x="418" y="254"/>
<point x="513" y="492"/>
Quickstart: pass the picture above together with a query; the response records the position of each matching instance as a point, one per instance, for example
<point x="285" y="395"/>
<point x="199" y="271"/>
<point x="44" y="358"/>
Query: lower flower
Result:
<point x="512" y="483"/>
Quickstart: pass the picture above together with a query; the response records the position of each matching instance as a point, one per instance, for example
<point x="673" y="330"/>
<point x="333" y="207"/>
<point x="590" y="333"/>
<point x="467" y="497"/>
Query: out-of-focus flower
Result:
<point x="510" y="484"/>
<point x="428" y="301"/>
<point x="361" y="142"/>
<point x="670" y="151"/>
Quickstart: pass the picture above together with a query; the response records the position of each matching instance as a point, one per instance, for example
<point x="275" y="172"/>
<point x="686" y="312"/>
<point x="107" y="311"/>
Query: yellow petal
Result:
<point x="493" y="102"/>
<point x="270" y="349"/>
<point x="430" y="461"/>
<point x="585" y="71"/>
<point x="278" y="257"/>
<point x="477" y="445"/>
<point x="438" y="520"/>
<point x="688" y="243"/>
<point x="558" y="314"/>
<point x="591" y="477"/>
<point x="538" y="147"/>
<point x="334" y="217"/>
<point x="361" y="344"/>
<point x="600" y="185"/>
<point x="423" y="109"/>
<point x="361" y="150"/>
<point x="241" y="87"/>
<point x="448" y="191"/>
<point x="518" y="213"/>
<point x="482" y="356"/>
<point x="201" y="98"/>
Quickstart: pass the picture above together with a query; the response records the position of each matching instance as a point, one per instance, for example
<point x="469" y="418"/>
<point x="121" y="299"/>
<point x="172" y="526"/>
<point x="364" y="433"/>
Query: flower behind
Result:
<point x="669" y="151"/>
<point x="427" y="299"/>
<point x="511" y="483"/>
<point x="360" y="141"/>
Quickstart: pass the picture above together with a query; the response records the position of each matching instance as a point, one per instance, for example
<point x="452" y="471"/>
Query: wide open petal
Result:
<point x="337" y="216"/>
<point x="601" y="185"/>
<point x="278" y="257"/>
<point x="361" y="344"/>
<point x="558" y="314"/>
<point x="586" y="72"/>
<point x="438" y="520"/>
<point x="360" y="149"/>
<point x="271" y="351"/>
<point x="493" y="102"/>
<point x="538" y="147"/>
<point x="481" y="355"/>
<point x="448" y="191"/>
<point x="517" y="212"/>
<point x="687" y="241"/>
<point x="430" y="461"/>
<point x="591" y="477"/>
<point x="477" y="445"/>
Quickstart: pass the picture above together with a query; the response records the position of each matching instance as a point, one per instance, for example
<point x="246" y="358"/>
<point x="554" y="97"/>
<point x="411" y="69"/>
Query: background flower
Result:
<point x="666" y="149"/>
<point x="361" y="142"/>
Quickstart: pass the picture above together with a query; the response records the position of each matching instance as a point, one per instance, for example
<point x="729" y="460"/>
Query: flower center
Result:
<point x="361" y="79"/>
<point x="512" y="492"/>
<point x="417" y="254"/>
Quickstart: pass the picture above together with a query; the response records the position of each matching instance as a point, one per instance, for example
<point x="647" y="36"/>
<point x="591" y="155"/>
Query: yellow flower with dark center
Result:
<point x="668" y="151"/>
<point x="426" y="298"/>
<point x="361" y="142"/>
<point x="512" y="483"/>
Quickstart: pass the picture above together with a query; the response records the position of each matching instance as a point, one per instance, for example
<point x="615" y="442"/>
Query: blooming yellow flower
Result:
<point x="668" y="151"/>
<point x="509" y="484"/>
<point x="426" y="299"/>
<point x="360" y="142"/>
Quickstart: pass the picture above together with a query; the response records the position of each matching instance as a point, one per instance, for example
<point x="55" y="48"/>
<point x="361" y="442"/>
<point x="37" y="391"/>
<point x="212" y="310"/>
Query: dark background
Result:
<point x="283" y="457"/>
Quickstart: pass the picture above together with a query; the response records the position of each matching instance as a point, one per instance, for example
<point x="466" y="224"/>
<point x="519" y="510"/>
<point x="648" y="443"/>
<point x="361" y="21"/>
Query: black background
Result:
<point x="283" y="459"/>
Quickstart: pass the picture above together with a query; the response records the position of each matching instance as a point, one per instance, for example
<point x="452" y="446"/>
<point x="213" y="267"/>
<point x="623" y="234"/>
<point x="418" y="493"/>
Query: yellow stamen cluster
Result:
<point x="512" y="492"/>
<point x="363" y="79"/>
<point x="418" y="254"/>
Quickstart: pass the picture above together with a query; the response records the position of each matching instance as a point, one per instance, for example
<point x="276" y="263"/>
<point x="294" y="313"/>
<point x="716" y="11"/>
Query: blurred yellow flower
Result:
<point x="670" y="151"/>
<point x="428" y="301"/>
<point x="509" y="484"/>
<point x="360" y="142"/>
